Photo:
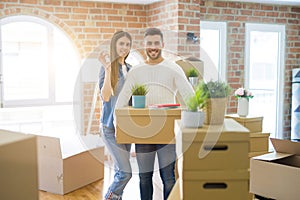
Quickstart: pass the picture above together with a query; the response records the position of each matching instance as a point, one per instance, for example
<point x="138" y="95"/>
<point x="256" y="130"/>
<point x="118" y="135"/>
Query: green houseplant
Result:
<point x="217" y="93"/>
<point x="192" y="75"/>
<point x="138" y="92"/>
<point x="194" y="116"/>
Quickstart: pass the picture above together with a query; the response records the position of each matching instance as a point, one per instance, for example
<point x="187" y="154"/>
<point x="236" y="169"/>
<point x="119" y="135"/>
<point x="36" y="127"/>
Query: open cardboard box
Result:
<point x="66" y="164"/>
<point x="277" y="175"/>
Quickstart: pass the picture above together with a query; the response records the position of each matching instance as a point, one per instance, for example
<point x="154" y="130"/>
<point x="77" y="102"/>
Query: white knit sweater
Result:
<point x="164" y="81"/>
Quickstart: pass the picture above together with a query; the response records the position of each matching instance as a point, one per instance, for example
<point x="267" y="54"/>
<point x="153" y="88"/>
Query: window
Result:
<point x="265" y="54"/>
<point x="212" y="37"/>
<point x="38" y="70"/>
<point x="39" y="63"/>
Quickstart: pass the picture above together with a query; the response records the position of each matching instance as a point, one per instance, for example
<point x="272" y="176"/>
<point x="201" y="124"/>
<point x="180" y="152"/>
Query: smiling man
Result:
<point x="164" y="79"/>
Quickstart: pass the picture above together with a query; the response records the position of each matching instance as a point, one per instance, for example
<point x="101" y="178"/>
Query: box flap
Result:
<point x="286" y="146"/>
<point x="272" y="156"/>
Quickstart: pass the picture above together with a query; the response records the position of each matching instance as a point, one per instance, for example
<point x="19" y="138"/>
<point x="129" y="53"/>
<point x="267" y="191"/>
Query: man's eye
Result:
<point x="149" y="43"/>
<point x="121" y="43"/>
<point x="157" y="43"/>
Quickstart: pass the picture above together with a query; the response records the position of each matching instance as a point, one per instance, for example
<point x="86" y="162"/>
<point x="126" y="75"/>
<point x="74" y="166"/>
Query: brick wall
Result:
<point x="236" y="15"/>
<point x="88" y="24"/>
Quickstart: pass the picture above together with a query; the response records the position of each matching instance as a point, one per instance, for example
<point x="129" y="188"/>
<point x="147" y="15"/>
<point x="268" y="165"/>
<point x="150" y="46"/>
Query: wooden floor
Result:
<point x="96" y="190"/>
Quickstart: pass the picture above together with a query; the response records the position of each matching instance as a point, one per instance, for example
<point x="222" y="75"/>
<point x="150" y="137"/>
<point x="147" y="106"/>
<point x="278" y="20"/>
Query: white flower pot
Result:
<point x="193" y="81"/>
<point x="192" y="119"/>
<point x="243" y="107"/>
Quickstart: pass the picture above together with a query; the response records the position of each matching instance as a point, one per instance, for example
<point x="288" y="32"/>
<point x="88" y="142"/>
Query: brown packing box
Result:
<point x="64" y="168"/>
<point x="224" y="147"/>
<point x="18" y="166"/>
<point x="259" y="142"/>
<point x="215" y="184"/>
<point x="277" y="175"/>
<point x="192" y="63"/>
<point x="146" y="126"/>
<point x="254" y="124"/>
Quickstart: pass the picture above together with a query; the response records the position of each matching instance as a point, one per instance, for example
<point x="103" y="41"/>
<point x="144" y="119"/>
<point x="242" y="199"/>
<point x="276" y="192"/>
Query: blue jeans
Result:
<point x="120" y="154"/>
<point x="166" y="155"/>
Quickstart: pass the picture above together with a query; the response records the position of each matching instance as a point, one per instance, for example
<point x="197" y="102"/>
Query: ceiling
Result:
<point x="281" y="2"/>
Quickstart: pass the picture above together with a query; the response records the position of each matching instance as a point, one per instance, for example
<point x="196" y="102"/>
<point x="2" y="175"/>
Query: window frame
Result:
<point x="51" y="100"/>
<point x="222" y="28"/>
<point x="280" y="72"/>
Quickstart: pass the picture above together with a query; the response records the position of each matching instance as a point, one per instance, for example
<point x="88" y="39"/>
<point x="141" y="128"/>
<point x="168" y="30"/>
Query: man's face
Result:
<point x="153" y="46"/>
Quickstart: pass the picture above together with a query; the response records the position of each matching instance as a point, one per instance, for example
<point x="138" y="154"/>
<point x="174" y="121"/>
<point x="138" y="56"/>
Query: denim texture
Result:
<point x="166" y="155"/>
<point x="120" y="154"/>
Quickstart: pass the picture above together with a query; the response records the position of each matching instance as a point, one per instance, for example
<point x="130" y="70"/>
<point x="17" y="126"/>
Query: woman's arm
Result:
<point x="105" y="84"/>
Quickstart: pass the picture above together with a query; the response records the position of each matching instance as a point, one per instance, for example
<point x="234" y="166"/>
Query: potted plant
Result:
<point x="243" y="95"/>
<point x="194" y="116"/>
<point x="217" y="93"/>
<point x="192" y="75"/>
<point x="139" y="92"/>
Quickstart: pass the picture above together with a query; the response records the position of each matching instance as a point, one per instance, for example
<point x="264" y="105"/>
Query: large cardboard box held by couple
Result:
<point x="69" y="166"/>
<point x="277" y="175"/>
<point x="18" y="166"/>
<point x="146" y="126"/>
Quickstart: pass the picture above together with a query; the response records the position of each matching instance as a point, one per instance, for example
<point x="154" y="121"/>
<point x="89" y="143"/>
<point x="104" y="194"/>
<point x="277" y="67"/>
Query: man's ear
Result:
<point x="163" y="44"/>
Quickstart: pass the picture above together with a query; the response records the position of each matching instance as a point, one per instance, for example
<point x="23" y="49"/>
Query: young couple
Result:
<point x="166" y="79"/>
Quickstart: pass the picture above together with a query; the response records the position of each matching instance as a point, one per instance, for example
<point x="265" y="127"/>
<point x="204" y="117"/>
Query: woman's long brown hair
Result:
<point x="114" y="57"/>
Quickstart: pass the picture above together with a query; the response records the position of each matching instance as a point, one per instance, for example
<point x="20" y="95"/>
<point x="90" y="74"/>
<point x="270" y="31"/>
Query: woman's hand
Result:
<point x="104" y="59"/>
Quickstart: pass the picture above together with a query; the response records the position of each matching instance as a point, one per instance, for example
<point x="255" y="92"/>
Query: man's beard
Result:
<point x="158" y="54"/>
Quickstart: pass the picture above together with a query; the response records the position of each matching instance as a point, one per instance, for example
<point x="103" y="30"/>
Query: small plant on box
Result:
<point x="139" y="89"/>
<point x="139" y="92"/>
<point x="192" y="72"/>
<point x="193" y="117"/>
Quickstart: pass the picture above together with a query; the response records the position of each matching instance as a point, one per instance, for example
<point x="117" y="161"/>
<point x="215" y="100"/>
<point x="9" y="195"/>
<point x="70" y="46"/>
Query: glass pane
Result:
<point x="66" y="67"/>
<point x="210" y="42"/>
<point x="264" y="59"/>
<point x="25" y="68"/>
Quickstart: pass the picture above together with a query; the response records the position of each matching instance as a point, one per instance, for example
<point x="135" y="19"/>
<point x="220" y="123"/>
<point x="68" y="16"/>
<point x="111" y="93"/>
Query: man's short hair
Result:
<point x="153" y="31"/>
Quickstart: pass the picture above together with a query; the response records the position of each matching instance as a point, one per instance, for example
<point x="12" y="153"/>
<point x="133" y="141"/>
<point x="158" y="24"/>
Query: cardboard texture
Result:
<point x="18" y="166"/>
<point x="146" y="126"/>
<point x="224" y="147"/>
<point x="277" y="175"/>
<point x="187" y="64"/>
<point x="259" y="142"/>
<point x="61" y="172"/>
<point x="213" y="161"/>
<point x="254" y="124"/>
<point x="215" y="185"/>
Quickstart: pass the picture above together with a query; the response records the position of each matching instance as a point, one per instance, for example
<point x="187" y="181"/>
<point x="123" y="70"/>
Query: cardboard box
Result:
<point x="64" y="168"/>
<point x="146" y="126"/>
<point x="213" y="147"/>
<point x="259" y="142"/>
<point x="277" y="175"/>
<point x="189" y="63"/>
<point x="254" y="124"/>
<point x="18" y="166"/>
<point x="215" y="184"/>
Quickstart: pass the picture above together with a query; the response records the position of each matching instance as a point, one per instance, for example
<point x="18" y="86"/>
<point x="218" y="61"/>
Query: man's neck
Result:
<point x="154" y="62"/>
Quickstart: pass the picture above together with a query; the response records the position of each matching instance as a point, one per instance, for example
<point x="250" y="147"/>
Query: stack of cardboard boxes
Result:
<point x="212" y="162"/>
<point x="259" y="141"/>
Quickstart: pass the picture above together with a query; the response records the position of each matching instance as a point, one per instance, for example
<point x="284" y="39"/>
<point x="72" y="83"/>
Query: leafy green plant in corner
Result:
<point x="192" y="72"/>
<point x="214" y="89"/>
<point x="139" y="89"/>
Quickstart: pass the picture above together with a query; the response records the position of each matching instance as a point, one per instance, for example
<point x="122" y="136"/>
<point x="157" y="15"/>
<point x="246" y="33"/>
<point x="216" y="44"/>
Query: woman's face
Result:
<point x="123" y="46"/>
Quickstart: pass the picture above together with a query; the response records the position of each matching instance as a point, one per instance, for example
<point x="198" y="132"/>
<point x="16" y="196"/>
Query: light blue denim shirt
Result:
<point x="107" y="113"/>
